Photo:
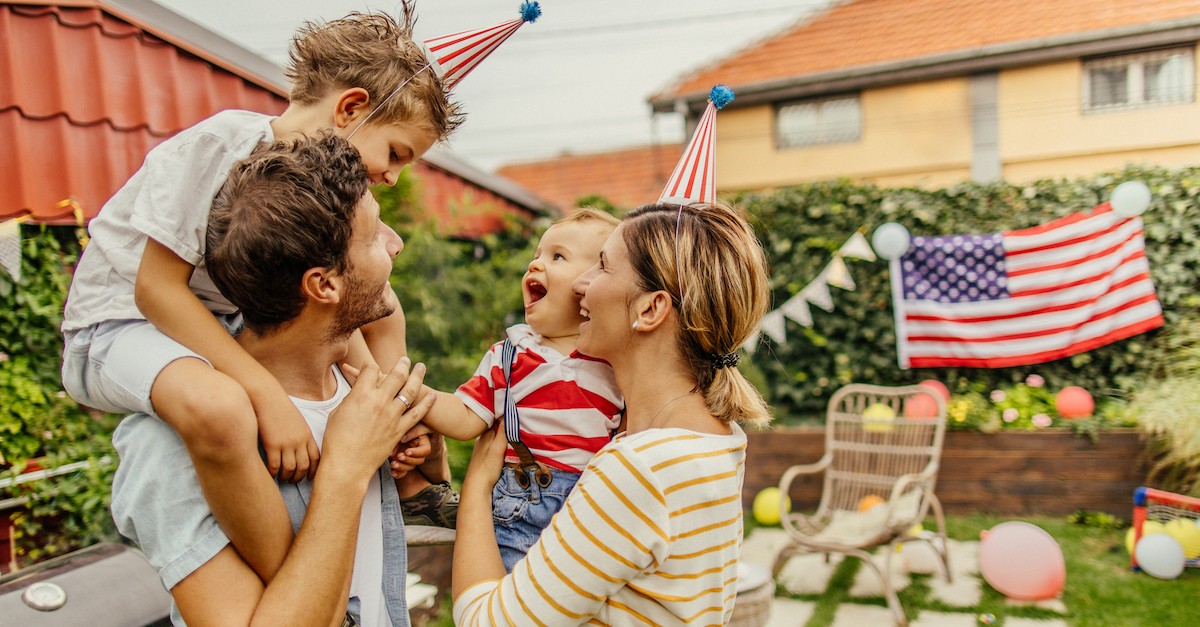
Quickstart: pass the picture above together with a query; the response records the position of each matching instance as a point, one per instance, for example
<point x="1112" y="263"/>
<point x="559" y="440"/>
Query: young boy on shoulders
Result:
<point x="147" y="331"/>
<point x="564" y="405"/>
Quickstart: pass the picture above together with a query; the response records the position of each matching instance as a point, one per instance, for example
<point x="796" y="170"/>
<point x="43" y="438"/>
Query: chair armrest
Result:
<point x="789" y="475"/>
<point x="922" y="479"/>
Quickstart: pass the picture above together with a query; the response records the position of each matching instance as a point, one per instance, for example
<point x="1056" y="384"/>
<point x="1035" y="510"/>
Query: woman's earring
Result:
<point x="635" y="325"/>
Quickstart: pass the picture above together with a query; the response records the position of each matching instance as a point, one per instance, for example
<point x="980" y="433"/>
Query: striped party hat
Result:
<point x="692" y="180"/>
<point x="454" y="56"/>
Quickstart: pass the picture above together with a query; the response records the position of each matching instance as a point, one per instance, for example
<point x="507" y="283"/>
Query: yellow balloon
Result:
<point x="1187" y="533"/>
<point x="878" y="418"/>
<point x="1149" y="527"/>
<point x="766" y="506"/>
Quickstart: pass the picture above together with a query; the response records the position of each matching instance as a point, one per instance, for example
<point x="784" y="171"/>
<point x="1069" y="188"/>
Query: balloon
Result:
<point x="766" y="506"/>
<point x="878" y="418"/>
<point x="1160" y="556"/>
<point x="921" y="406"/>
<point x="937" y="385"/>
<point x="869" y="502"/>
<point x="1074" y="402"/>
<point x="1130" y="199"/>
<point x="1022" y="561"/>
<point x="890" y="240"/>
<point x="1187" y="534"/>
<point x="1149" y="527"/>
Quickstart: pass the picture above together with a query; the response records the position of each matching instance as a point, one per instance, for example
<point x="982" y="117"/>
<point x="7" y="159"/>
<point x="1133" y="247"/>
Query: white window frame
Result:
<point x="1135" y="85"/>
<point x="823" y="134"/>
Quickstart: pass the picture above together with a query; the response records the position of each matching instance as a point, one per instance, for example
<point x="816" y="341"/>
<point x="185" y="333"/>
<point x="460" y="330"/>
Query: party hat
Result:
<point x="455" y="55"/>
<point x="692" y="180"/>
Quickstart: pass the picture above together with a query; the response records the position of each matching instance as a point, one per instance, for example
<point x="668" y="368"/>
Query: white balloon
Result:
<point x="1160" y="555"/>
<point x="890" y="240"/>
<point x="1130" y="199"/>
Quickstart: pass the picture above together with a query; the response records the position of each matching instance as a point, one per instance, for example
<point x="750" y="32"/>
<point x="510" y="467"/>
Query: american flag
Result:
<point x="1023" y="297"/>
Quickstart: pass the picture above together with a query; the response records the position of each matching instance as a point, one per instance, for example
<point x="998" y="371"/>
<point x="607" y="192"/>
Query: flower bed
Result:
<point x="1048" y="471"/>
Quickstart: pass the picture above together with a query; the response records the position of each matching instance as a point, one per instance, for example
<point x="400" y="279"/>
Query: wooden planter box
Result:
<point x="1052" y="471"/>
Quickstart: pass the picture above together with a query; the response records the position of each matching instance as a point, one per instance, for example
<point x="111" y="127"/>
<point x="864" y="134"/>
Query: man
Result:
<point x="295" y="242"/>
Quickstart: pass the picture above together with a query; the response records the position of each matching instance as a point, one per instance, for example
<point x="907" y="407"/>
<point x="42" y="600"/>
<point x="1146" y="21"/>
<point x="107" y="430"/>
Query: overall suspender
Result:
<point x="512" y="426"/>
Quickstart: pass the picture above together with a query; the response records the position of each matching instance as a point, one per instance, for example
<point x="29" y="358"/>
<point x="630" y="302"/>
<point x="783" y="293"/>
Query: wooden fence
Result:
<point x="1052" y="471"/>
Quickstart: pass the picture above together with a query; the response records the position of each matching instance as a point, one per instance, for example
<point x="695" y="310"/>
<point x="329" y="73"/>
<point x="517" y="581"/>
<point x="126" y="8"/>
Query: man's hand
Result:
<point x="367" y="425"/>
<point x="292" y="453"/>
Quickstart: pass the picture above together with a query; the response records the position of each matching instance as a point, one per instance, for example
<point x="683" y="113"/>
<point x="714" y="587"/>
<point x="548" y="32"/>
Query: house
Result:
<point x="934" y="92"/>
<point x="627" y="178"/>
<point x="88" y="87"/>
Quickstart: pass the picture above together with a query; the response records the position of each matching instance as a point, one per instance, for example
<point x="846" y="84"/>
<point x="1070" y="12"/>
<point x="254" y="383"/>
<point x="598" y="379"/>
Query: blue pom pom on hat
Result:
<point x="694" y="177"/>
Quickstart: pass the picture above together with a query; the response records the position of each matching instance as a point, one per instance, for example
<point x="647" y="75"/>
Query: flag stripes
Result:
<point x="1066" y="287"/>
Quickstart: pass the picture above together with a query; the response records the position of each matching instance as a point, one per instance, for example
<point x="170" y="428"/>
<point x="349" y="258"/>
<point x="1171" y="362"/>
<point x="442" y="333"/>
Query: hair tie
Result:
<point x="728" y="360"/>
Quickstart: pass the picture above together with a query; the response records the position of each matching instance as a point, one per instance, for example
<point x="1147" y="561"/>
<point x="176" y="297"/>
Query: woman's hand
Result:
<point x="487" y="460"/>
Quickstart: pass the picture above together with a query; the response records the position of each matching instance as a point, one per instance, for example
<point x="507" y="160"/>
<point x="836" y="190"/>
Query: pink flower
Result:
<point x="997" y="396"/>
<point x="1035" y="381"/>
<point x="1040" y="420"/>
<point x="1011" y="414"/>
<point x="60" y="394"/>
<point x="3" y="357"/>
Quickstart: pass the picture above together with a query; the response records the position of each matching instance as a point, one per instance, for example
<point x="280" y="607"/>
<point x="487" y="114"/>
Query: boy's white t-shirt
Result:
<point x="366" y="582"/>
<point x="169" y="199"/>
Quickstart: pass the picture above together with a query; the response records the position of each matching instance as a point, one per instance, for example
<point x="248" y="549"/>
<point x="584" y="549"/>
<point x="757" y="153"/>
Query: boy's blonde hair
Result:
<point x="588" y="214"/>
<point x="710" y="262"/>
<point x="376" y="52"/>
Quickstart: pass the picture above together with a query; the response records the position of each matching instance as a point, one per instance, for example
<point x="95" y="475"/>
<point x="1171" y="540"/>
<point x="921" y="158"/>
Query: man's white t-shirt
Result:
<point x="367" y="581"/>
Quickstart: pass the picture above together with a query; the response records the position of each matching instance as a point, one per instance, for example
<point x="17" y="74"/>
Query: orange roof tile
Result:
<point x="627" y="178"/>
<point x="84" y="95"/>
<point x="862" y="33"/>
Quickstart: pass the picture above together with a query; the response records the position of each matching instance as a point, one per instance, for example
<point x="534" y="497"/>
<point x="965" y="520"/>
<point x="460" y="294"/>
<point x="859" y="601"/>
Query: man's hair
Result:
<point x="286" y="208"/>
<point x="589" y="214"/>
<point x="376" y="52"/>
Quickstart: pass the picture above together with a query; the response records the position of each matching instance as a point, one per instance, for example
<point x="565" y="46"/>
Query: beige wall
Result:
<point x="1044" y="132"/>
<point x="916" y="133"/>
<point x="920" y="134"/>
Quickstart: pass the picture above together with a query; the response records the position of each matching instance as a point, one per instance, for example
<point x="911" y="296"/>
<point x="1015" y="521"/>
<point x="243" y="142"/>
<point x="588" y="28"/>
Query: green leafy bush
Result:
<point x="37" y="419"/>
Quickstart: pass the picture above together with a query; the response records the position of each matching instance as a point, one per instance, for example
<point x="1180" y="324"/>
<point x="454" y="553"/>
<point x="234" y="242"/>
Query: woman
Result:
<point x="652" y="532"/>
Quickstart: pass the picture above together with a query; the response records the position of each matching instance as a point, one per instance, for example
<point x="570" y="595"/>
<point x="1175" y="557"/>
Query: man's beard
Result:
<point x="362" y="305"/>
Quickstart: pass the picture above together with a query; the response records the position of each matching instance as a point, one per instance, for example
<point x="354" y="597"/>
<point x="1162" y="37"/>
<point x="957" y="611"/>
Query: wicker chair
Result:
<point x="884" y="442"/>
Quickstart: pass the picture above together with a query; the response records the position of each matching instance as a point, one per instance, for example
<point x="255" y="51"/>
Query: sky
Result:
<point x="574" y="82"/>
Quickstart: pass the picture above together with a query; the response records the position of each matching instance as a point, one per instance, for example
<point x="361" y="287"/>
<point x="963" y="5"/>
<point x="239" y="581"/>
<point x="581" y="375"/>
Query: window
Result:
<point x="825" y="121"/>
<point x="1139" y="80"/>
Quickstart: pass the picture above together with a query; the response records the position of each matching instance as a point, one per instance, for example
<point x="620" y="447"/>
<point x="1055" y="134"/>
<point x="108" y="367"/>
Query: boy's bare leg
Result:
<point x="214" y="418"/>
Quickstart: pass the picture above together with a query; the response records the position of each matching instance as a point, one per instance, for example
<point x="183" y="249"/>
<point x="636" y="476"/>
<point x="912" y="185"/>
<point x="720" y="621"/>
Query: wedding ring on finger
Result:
<point x="404" y="399"/>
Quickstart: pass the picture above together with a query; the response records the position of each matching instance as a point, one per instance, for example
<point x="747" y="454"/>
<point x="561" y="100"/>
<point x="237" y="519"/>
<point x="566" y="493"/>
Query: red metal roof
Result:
<point x="85" y="93"/>
<point x="627" y="178"/>
<point x="863" y="33"/>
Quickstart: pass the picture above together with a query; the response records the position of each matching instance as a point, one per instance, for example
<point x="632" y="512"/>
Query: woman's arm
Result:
<point x="613" y="527"/>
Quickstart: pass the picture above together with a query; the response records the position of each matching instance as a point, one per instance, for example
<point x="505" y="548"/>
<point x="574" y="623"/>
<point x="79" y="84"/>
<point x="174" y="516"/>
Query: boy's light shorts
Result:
<point x="112" y="366"/>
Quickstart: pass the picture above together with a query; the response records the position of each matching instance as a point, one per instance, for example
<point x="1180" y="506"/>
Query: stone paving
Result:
<point x="809" y="574"/>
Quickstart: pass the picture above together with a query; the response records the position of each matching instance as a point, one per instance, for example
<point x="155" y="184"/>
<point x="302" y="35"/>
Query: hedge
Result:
<point x="802" y="226"/>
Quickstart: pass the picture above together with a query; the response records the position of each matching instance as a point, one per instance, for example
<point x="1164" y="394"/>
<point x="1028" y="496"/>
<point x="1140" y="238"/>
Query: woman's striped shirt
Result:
<point x="650" y="536"/>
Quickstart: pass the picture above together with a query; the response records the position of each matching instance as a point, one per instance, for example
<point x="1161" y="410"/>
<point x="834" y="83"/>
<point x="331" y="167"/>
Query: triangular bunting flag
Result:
<point x="838" y="275"/>
<point x="772" y="325"/>
<point x="454" y="56"/>
<point x="796" y="309"/>
<point x="10" y="248"/>
<point x="857" y="247"/>
<point x="817" y="293"/>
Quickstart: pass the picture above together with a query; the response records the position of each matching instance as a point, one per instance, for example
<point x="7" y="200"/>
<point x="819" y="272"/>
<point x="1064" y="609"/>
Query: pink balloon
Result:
<point x="921" y="406"/>
<point x="938" y="386"/>
<point x="1074" y="402"/>
<point x="1022" y="561"/>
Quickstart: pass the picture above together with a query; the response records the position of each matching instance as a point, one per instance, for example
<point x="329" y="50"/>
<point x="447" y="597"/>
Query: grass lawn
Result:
<point x="1100" y="588"/>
